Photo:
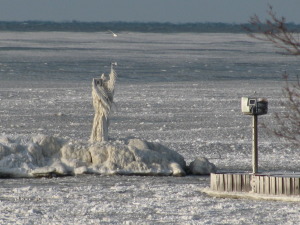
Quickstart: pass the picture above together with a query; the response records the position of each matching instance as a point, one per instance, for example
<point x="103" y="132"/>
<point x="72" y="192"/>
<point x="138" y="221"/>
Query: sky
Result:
<point x="174" y="11"/>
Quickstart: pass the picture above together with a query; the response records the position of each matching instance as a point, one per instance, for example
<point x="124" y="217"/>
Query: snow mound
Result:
<point x="201" y="166"/>
<point x="43" y="155"/>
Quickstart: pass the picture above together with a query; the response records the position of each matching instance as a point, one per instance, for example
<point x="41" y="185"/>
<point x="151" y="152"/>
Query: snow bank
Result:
<point x="48" y="156"/>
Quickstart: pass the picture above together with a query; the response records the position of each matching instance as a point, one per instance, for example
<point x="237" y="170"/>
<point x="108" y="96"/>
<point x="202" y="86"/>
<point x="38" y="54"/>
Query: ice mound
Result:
<point x="43" y="155"/>
<point x="201" y="166"/>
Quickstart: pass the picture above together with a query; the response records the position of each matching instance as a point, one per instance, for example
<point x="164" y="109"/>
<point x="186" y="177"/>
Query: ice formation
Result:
<point x="201" y="166"/>
<point x="102" y="92"/>
<point x="43" y="155"/>
<point x="249" y="195"/>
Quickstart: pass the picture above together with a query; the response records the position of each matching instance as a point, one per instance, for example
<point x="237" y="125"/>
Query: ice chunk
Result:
<point x="137" y="157"/>
<point x="76" y="152"/>
<point x="44" y="155"/>
<point x="201" y="166"/>
<point x="49" y="144"/>
<point x="3" y="151"/>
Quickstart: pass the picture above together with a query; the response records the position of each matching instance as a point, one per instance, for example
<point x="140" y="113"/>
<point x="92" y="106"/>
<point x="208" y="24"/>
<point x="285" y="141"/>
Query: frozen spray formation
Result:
<point x="103" y="93"/>
<point x="43" y="155"/>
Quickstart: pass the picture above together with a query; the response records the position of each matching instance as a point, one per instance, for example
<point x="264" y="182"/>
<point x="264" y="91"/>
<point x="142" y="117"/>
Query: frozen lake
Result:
<point x="181" y="90"/>
<point x="131" y="200"/>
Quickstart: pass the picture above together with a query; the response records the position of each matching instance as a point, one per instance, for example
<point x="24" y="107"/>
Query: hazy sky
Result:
<point x="175" y="11"/>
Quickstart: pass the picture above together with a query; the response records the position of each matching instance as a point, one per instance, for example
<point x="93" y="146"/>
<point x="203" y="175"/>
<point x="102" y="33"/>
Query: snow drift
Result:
<point x="43" y="155"/>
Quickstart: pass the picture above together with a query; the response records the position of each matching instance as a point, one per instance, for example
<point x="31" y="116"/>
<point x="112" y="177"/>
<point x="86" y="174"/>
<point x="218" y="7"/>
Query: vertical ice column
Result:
<point x="102" y="92"/>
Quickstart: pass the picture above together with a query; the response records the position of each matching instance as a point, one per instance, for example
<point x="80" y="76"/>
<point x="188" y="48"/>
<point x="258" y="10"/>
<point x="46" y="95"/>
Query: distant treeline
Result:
<point x="76" y="26"/>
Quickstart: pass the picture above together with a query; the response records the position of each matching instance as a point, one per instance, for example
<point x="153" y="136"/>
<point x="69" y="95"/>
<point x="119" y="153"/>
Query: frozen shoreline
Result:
<point x="192" y="118"/>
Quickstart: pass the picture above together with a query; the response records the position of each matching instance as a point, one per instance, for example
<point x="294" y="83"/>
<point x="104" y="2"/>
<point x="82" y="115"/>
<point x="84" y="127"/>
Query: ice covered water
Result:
<point x="182" y="90"/>
<point x="59" y="56"/>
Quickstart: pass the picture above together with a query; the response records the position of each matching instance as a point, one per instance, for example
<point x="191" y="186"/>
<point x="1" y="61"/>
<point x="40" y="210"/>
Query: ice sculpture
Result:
<point x="102" y="92"/>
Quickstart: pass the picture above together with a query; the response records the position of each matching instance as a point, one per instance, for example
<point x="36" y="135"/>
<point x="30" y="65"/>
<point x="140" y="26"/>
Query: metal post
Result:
<point x="254" y="145"/>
